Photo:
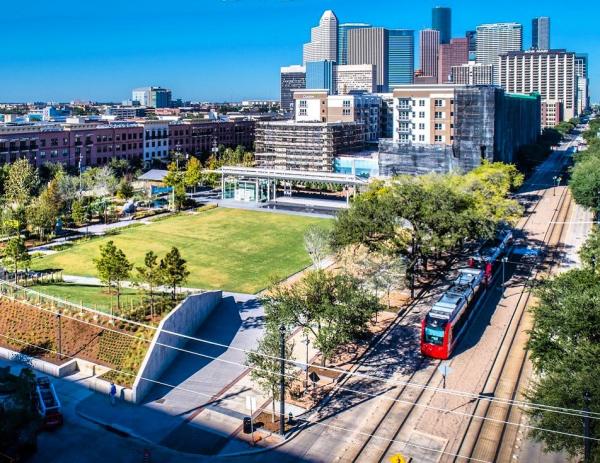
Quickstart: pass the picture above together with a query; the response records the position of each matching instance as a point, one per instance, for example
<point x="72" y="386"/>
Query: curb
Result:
<point x="128" y="433"/>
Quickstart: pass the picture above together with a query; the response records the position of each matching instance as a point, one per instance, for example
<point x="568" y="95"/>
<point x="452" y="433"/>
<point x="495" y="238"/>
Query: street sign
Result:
<point x="314" y="377"/>
<point x="398" y="458"/>
<point x="444" y="369"/>
<point x="250" y="403"/>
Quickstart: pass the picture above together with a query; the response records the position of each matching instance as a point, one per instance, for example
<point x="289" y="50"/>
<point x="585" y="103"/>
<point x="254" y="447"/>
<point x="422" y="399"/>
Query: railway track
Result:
<point x="405" y="400"/>
<point x="492" y="439"/>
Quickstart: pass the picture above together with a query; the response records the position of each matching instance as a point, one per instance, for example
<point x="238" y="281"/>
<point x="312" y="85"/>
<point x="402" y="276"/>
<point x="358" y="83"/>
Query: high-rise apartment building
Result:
<point x="153" y="97"/>
<point x="441" y="20"/>
<point x="540" y="33"/>
<point x="391" y="51"/>
<point x="551" y="73"/>
<point x="318" y="106"/>
<point x="455" y="53"/>
<point x="320" y="75"/>
<point x="323" y="45"/>
<point x="292" y="78"/>
<point x="441" y="128"/>
<point x="342" y="57"/>
<point x="429" y="46"/>
<point x="496" y="39"/>
<point x="472" y="74"/>
<point x="401" y="57"/>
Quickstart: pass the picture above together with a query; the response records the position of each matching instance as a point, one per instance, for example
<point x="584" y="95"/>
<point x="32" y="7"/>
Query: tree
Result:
<point x="113" y="267"/>
<point x="564" y="346"/>
<point x="44" y="211"/>
<point x="316" y="243"/>
<point x="101" y="180"/>
<point x="68" y="186"/>
<point x="176" y="179"/>
<point x="173" y="269"/>
<point x="415" y="216"/>
<point x="124" y="189"/>
<point x="151" y="275"/>
<point x="248" y="159"/>
<point x="119" y="167"/>
<point x="79" y="212"/>
<point x="266" y="367"/>
<point x="21" y="182"/>
<point x="585" y="183"/>
<point x="390" y="274"/>
<point x="193" y="173"/>
<point x="590" y="250"/>
<point x="332" y="307"/>
<point x="212" y="164"/>
<point x="550" y="137"/>
<point x="565" y="127"/>
<point x="16" y="256"/>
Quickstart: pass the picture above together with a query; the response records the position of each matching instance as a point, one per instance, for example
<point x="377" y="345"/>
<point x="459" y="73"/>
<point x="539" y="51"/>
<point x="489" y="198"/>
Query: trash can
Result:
<point x="247" y="425"/>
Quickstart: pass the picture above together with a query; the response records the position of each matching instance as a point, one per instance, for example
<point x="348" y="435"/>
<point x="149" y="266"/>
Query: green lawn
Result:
<point x="94" y="297"/>
<point x="229" y="249"/>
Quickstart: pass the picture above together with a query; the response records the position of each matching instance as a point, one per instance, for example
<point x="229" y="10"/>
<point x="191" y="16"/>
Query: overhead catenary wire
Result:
<point x="317" y="423"/>
<point x="464" y="394"/>
<point x="339" y="387"/>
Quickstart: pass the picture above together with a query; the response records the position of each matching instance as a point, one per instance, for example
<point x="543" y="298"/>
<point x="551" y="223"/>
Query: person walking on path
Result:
<point x="113" y="393"/>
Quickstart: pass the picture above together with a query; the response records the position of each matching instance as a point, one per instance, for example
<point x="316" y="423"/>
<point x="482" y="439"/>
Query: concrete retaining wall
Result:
<point x="185" y="319"/>
<point x="59" y="371"/>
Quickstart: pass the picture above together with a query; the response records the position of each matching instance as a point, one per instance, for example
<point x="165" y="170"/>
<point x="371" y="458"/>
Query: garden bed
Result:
<point x="34" y="332"/>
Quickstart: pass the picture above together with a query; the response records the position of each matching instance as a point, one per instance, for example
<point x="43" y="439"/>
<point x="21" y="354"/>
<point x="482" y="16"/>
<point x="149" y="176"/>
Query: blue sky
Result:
<point x="220" y="49"/>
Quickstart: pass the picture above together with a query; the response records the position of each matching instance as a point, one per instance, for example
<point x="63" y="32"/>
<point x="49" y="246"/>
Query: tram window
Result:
<point x="434" y="330"/>
<point x="434" y="336"/>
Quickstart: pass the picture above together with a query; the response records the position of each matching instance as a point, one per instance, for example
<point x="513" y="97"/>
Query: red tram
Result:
<point x="448" y="319"/>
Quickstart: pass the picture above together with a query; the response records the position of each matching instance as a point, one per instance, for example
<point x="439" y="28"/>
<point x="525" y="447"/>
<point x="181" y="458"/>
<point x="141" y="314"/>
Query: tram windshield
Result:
<point x="434" y="330"/>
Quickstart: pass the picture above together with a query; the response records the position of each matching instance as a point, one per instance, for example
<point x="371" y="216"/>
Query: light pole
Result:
<point x="554" y="189"/>
<point x="306" y="340"/>
<point x="282" y="380"/>
<point x="504" y="261"/>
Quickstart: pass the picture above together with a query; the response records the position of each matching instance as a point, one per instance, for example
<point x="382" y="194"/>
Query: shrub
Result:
<point x="207" y="207"/>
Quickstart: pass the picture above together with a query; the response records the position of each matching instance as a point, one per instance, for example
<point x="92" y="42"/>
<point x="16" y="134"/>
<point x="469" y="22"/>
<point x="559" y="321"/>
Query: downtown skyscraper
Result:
<point x="429" y="45"/>
<point x="441" y="20"/>
<point x="390" y="50"/>
<point x="496" y="39"/>
<point x="323" y="45"/>
<point x="540" y="33"/>
<point x="342" y="55"/>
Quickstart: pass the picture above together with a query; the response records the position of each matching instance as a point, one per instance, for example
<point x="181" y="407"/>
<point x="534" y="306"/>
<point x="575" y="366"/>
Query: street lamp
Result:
<point x="282" y="333"/>
<point x="306" y="341"/>
<point x="554" y="179"/>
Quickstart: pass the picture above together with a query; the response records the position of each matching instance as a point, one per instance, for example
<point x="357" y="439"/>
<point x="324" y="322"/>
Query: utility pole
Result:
<point x="414" y="268"/>
<point x="587" y="443"/>
<point x="59" y="335"/>
<point x="282" y="381"/>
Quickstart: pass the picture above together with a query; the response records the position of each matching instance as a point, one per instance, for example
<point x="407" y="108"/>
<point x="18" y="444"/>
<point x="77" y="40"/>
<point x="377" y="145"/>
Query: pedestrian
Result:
<point x="113" y="393"/>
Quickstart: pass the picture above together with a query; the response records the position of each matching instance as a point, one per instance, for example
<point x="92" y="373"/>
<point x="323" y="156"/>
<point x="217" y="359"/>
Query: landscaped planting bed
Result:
<point x="32" y="331"/>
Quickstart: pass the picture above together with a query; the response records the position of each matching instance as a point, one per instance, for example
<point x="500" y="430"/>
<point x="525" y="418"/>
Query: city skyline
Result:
<point x="95" y="63"/>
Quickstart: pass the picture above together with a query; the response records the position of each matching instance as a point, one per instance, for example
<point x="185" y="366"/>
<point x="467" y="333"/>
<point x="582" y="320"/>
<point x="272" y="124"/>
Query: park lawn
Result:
<point x="94" y="297"/>
<point x="230" y="249"/>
